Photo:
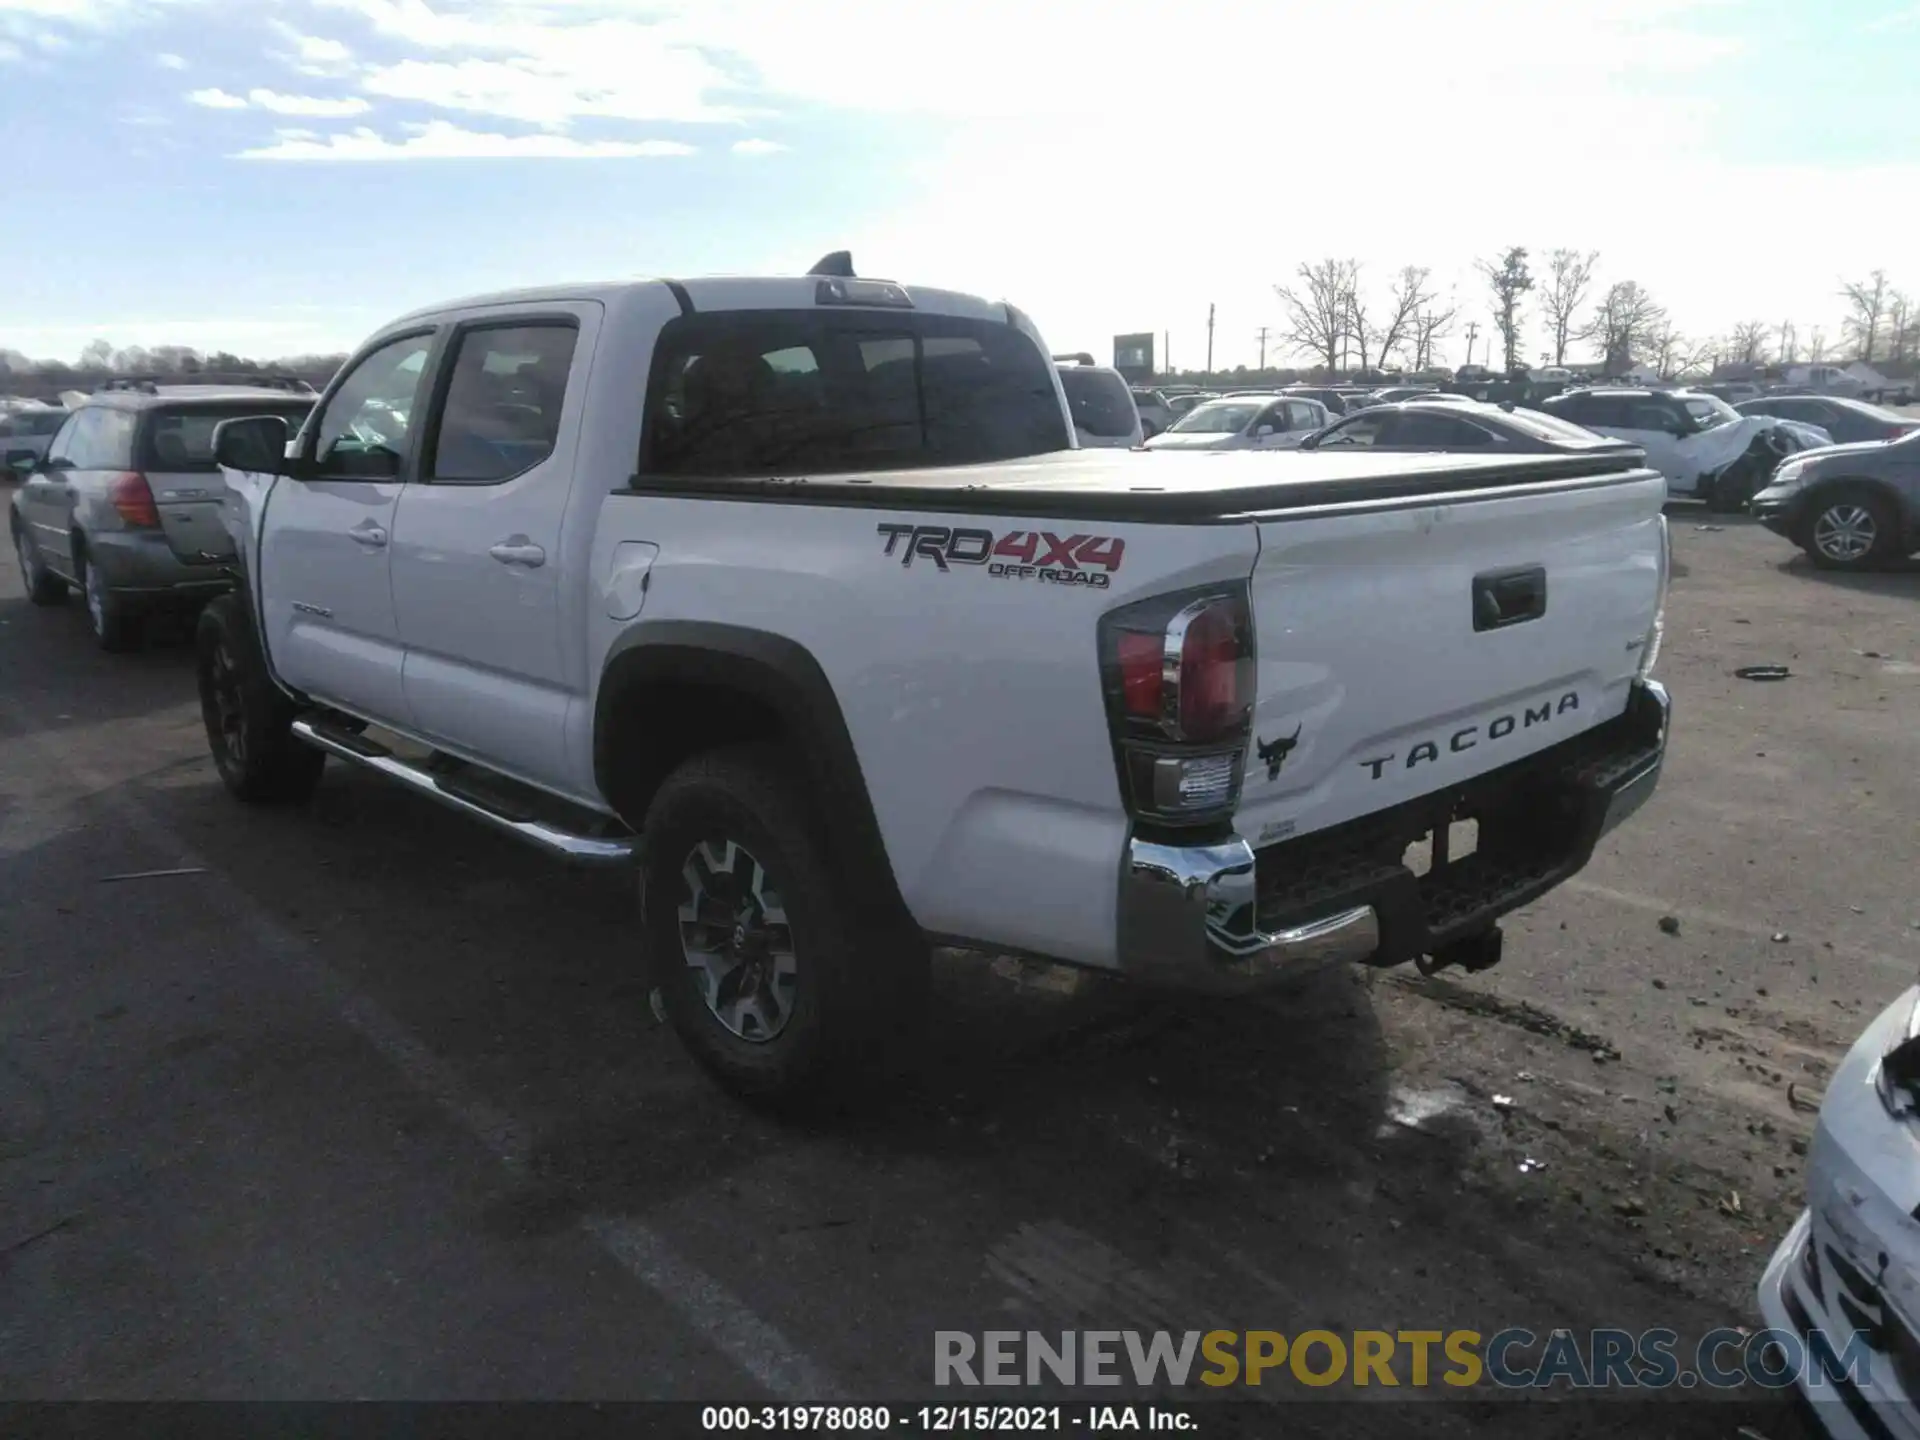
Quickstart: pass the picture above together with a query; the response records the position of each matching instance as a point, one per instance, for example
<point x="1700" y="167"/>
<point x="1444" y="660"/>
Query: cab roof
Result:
<point x="716" y="292"/>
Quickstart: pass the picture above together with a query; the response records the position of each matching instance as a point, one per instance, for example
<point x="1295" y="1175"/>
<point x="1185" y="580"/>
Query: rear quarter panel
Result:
<point x="973" y="699"/>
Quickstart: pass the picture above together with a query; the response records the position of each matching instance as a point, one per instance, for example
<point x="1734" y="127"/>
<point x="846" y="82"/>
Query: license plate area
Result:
<point x="1442" y="846"/>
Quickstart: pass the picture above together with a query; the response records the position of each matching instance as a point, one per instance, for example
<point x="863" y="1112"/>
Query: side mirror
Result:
<point x="1312" y="442"/>
<point x="1263" y="432"/>
<point x="257" y="443"/>
<point x="22" y="462"/>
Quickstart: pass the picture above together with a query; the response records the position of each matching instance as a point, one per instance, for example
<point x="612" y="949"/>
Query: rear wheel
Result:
<point x="1851" y="529"/>
<point x="769" y="963"/>
<point x="116" y="626"/>
<point x="43" y="586"/>
<point x="249" y="722"/>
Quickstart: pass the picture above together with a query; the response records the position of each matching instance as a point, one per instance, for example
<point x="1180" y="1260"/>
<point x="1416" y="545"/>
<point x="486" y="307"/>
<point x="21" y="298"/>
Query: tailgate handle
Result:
<point x="1509" y="597"/>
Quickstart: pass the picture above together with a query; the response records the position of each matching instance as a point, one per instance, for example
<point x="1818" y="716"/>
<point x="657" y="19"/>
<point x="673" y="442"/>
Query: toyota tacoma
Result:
<point x="795" y="596"/>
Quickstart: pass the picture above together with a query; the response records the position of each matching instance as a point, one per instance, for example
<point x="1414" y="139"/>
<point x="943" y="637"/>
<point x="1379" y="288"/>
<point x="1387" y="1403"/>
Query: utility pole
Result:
<point x="1166" y="352"/>
<point x="1263" y="347"/>
<point x="1473" y="329"/>
<point x="1209" y="337"/>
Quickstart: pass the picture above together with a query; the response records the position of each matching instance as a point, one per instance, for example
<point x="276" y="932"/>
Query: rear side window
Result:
<point x="501" y="414"/>
<point x="180" y="442"/>
<point x="1100" y="401"/>
<point x="1543" y="425"/>
<point x="1649" y="415"/>
<point x="101" y="439"/>
<point x="1609" y="410"/>
<point x="32" y="422"/>
<point x="783" y="391"/>
<point x="1443" y="432"/>
<point x="1363" y="429"/>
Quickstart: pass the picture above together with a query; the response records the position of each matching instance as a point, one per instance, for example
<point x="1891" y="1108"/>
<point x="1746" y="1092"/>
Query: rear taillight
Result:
<point x="132" y="497"/>
<point x="1179" y="678"/>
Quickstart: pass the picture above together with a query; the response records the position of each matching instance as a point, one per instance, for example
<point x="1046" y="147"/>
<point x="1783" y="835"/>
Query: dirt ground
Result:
<point x="370" y="1103"/>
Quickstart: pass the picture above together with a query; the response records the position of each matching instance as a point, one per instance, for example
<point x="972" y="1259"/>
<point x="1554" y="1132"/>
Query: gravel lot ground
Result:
<point x="372" y="1103"/>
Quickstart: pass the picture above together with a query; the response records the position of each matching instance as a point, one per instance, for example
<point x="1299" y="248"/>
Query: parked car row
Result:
<point x="1838" y="476"/>
<point x="122" y="501"/>
<point x="25" y="432"/>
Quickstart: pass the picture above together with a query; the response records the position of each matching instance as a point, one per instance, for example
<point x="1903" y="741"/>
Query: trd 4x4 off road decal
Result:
<point x="1088" y="560"/>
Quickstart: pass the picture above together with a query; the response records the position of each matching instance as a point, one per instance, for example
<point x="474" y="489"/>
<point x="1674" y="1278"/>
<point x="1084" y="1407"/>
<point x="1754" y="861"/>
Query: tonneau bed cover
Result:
<point x="1172" y="487"/>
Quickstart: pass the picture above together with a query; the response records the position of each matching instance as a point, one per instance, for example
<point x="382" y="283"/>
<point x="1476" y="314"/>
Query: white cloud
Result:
<point x="542" y="66"/>
<point x="757" y="147"/>
<point x="35" y="21"/>
<point x="166" y="60"/>
<point x="9" y="51"/>
<point x="316" y="106"/>
<point x="441" y="140"/>
<point x="217" y="99"/>
<point x="320" y="107"/>
<point x="314" y="54"/>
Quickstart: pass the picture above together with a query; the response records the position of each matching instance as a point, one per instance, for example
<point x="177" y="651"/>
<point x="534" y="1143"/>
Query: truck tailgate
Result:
<point x="1407" y="648"/>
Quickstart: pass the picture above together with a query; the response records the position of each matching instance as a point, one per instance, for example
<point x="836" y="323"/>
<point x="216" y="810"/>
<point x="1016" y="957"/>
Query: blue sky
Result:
<point x="283" y="175"/>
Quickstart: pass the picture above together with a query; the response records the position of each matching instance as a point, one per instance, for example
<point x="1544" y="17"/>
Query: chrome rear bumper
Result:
<point x="1186" y="921"/>
<point x="1189" y="915"/>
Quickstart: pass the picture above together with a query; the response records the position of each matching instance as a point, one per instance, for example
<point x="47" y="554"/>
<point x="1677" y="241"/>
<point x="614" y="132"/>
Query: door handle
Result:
<point x="519" y="551"/>
<point x="368" y="534"/>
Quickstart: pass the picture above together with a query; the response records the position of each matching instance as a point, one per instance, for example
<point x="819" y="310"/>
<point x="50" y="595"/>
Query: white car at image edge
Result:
<point x="1242" y="423"/>
<point x="1851" y="1264"/>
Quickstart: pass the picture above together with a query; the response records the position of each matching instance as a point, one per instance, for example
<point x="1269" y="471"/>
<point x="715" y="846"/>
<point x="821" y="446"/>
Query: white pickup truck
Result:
<point x="794" y="595"/>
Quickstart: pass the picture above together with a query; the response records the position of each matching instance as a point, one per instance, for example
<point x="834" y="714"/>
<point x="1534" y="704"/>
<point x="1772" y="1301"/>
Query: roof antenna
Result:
<point x="838" y="263"/>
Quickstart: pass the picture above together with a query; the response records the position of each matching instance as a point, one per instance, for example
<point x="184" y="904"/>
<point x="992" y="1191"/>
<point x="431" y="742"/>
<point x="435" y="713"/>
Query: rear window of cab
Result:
<point x="768" y="392"/>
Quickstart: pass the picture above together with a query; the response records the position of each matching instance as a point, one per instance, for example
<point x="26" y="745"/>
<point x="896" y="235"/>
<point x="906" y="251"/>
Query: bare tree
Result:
<point x="1319" y="309"/>
<point x="1867" y="301"/>
<point x="1509" y="279"/>
<point x="1405" y="301"/>
<point x="1816" y="347"/>
<point x="1665" y="344"/>
<point x="1569" y="278"/>
<point x="1429" y="327"/>
<point x="1789" y="343"/>
<point x="1359" y="325"/>
<point x="1626" y="320"/>
<point x="1903" y="328"/>
<point x="1674" y="355"/>
<point x="45" y="379"/>
<point x="1747" y="342"/>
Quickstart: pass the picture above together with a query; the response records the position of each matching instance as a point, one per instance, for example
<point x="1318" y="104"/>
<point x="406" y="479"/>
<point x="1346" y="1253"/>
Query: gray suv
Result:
<point x="1849" y="507"/>
<point x="125" y="504"/>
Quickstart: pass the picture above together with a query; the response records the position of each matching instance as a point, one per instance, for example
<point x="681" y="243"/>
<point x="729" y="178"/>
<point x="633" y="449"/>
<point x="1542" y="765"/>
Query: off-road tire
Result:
<point x="249" y="721"/>
<point x="116" y="626"/>
<point x="42" y="585"/>
<point x="1829" y="506"/>
<point x="859" y="993"/>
